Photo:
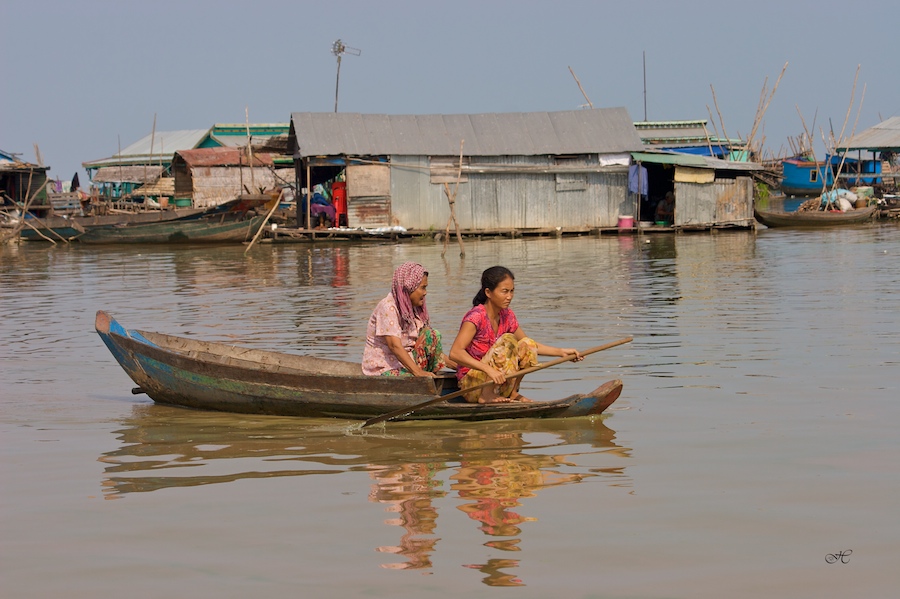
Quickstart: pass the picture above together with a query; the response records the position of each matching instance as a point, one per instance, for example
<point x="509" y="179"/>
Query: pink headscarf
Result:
<point x="407" y="279"/>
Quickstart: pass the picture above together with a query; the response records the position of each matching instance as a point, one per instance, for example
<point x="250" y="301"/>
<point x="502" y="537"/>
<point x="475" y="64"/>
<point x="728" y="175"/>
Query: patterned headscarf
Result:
<point x="407" y="278"/>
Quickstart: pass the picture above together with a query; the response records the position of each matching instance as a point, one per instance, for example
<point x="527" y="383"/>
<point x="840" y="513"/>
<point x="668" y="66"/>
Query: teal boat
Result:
<point x="204" y="375"/>
<point x="70" y="228"/>
<point x="223" y="228"/>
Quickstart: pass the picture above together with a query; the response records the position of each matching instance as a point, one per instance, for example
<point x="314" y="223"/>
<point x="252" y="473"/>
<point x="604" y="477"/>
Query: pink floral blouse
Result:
<point x="385" y="320"/>
<point x="485" y="336"/>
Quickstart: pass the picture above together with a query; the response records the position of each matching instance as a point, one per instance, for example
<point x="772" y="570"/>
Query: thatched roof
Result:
<point x="127" y="174"/>
<point x="164" y="186"/>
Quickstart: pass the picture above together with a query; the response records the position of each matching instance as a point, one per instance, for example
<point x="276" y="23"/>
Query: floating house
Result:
<point x="149" y="159"/>
<point x="882" y="144"/>
<point x="21" y="181"/>
<point x="207" y="177"/>
<point x="802" y="176"/>
<point x="537" y="171"/>
<point x="875" y="165"/>
<point x="709" y="193"/>
<point x="688" y="137"/>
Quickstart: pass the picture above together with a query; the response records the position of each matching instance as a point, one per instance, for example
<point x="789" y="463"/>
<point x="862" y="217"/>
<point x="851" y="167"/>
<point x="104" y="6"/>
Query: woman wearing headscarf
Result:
<point x="399" y="338"/>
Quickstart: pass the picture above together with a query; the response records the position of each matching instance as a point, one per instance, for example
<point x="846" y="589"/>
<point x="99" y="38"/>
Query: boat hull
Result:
<point x="199" y="230"/>
<point x="69" y="228"/>
<point x="211" y="376"/>
<point x="814" y="218"/>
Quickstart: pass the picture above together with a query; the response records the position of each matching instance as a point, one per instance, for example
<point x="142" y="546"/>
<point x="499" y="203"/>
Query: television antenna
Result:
<point x="338" y="48"/>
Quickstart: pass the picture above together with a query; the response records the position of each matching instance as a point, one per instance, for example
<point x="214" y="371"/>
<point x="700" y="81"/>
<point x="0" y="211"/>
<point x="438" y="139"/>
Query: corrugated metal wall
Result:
<point x="725" y="202"/>
<point x="490" y="201"/>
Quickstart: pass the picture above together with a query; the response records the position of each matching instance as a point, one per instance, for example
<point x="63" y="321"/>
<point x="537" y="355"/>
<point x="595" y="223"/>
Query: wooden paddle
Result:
<point x="523" y="372"/>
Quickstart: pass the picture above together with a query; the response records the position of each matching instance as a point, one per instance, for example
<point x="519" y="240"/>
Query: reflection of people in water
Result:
<point x="496" y="487"/>
<point x="495" y="575"/>
<point x="409" y="490"/>
<point x="494" y="476"/>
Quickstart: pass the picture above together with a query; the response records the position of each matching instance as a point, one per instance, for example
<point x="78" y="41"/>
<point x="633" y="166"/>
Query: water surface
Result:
<point x="754" y="438"/>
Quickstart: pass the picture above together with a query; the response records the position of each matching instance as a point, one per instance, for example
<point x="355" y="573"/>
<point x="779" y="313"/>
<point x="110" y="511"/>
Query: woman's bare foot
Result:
<point x="498" y="399"/>
<point x="490" y="395"/>
<point x="519" y="397"/>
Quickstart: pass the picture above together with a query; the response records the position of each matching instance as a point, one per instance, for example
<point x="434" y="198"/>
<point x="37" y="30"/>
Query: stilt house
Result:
<point x="519" y="171"/>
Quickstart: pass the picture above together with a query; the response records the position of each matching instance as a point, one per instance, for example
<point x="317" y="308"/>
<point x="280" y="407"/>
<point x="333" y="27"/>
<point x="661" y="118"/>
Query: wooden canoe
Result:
<point x="208" y="229"/>
<point x="814" y="218"/>
<point x="215" y="376"/>
<point x="71" y="227"/>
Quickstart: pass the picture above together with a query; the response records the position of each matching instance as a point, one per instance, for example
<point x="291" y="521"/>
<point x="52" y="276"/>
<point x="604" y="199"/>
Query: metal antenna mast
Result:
<point x="338" y="48"/>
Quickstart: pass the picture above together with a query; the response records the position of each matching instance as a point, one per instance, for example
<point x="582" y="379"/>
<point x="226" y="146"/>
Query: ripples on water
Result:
<point x="716" y="319"/>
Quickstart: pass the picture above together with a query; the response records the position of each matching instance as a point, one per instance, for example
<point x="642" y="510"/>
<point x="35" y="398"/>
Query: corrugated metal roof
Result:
<point x="164" y="144"/>
<point x="222" y="157"/>
<point x="602" y="130"/>
<point x="694" y="161"/>
<point x="883" y="136"/>
<point x="167" y="142"/>
<point x="674" y="133"/>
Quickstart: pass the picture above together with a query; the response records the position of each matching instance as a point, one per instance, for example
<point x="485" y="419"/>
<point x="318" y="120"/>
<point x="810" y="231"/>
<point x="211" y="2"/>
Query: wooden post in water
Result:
<point x="451" y="198"/>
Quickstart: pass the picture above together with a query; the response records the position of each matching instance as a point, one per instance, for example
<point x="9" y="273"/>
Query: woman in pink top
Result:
<point x="491" y="345"/>
<point x="399" y="339"/>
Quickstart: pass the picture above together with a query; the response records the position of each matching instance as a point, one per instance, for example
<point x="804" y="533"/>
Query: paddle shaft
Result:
<point x="455" y="394"/>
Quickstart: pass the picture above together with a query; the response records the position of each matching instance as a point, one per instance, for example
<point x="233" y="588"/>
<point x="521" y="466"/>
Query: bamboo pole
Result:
<point x="451" y="199"/>
<point x="250" y="150"/>
<point x="765" y="107"/>
<point x="308" y="197"/>
<point x="152" y="140"/>
<point x="36" y="230"/>
<point x="850" y="107"/>
<point x="713" y="122"/>
<point x="844" y="154"/>
<point x="812" y="150"/>
<point x="719" y="112"/>
<point x="591" y="104"/>
<point x="265" y="220"/>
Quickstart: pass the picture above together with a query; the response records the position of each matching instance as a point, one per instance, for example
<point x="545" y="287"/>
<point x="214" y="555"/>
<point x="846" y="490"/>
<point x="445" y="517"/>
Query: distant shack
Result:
<point x="212" y="176"/>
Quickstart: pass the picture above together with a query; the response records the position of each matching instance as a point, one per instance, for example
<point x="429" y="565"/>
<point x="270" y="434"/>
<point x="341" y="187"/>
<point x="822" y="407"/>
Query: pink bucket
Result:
<point x="626" y="222"/>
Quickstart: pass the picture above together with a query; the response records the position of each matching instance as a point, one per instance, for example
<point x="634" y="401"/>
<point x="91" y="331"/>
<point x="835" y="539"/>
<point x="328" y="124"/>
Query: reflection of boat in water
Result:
<point x="416" y="472"/>
<point x="156" y="442"/>
<point x="214" y="376"/>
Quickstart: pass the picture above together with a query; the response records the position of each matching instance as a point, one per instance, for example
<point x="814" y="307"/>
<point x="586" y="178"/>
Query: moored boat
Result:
<point x="815" y="218"/>
<point x="58" y="228"/>
<point x="208" y="229"/>
<point x="214" y="376"/>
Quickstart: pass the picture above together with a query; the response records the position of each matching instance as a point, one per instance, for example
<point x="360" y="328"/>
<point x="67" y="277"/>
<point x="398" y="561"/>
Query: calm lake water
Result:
<point x="753" y="449"/>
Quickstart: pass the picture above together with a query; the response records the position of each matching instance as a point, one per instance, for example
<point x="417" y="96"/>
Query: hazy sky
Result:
<point x="80" y="77"/>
